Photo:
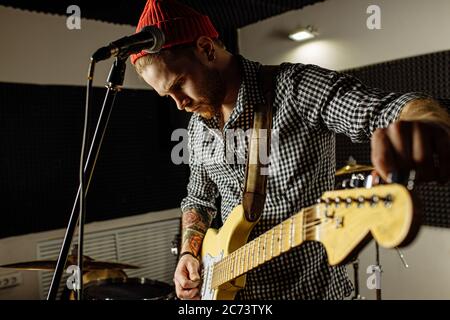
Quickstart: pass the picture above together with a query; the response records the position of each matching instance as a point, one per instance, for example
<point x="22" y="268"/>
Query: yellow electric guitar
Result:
<point x="343" y="221"/>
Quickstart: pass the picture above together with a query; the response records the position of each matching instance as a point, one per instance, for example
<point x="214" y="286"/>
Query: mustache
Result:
<point x="191" y="107"/>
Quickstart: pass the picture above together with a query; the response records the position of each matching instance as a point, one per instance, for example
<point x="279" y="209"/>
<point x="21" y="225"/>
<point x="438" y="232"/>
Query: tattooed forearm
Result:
<point x="192" y="241"/>
<point x="195" y="223"/>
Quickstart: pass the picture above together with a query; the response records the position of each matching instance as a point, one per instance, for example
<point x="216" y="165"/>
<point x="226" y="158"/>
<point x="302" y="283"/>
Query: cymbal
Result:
<point x="89" y="264"/>
<point x="351" y="168"/>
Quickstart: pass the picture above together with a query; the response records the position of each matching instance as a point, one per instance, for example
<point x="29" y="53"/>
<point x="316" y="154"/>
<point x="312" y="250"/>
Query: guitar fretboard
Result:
<point x="281" y="238"/>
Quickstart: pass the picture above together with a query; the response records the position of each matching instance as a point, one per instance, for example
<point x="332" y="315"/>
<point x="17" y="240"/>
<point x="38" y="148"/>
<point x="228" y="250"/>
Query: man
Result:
<point x="311" y="105"/>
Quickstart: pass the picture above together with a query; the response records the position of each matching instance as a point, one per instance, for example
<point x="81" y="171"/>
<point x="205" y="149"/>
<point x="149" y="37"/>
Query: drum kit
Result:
<point x="105" y="280"/>
<point x="361" y="176"/>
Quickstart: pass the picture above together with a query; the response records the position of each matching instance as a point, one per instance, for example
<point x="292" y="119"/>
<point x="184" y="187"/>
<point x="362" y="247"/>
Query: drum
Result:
<point x="128" y="289"/>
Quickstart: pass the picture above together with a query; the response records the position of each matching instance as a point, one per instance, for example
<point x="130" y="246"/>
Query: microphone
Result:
<point x="150" y="38"/>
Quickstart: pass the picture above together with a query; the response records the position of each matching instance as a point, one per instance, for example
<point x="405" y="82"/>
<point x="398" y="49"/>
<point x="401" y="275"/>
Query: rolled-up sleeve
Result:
<point x="201" y="190"/>
<point x="343" y="104"/>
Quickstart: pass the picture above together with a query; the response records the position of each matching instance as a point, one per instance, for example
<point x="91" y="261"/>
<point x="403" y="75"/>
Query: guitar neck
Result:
<point x="385" y="211"/>
<point x="280" y="239"/>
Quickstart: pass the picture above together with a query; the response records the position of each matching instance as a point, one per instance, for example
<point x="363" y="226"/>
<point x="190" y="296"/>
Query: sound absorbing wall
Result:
<point x="40" y="145"/>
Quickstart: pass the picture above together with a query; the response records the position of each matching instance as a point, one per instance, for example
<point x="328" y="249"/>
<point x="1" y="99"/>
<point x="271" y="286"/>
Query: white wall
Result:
<point x="409" y="28"/>
<point x="428" y="272"/>
<point x="38" y="48"/>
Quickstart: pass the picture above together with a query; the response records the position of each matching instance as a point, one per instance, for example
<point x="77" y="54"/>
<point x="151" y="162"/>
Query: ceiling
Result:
<point x="225" y="14"/>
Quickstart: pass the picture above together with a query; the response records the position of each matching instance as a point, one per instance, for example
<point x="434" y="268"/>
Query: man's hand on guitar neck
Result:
<point x="187" y="274"/>
<point x="419" y="141"/>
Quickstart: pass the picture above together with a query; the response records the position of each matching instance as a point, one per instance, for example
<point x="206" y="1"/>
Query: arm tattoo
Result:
<point x="195" y="223"/>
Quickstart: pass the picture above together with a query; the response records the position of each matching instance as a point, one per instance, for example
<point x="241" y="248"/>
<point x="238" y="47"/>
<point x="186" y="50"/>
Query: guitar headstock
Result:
<point x="348" y="218"/>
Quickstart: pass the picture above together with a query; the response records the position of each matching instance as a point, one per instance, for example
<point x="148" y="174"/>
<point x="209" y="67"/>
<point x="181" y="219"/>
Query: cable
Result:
<point x="82" y="176"/>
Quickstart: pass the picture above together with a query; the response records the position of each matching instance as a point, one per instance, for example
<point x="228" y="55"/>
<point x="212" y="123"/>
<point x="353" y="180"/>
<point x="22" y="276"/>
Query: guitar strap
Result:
<point x="256" y="173"/>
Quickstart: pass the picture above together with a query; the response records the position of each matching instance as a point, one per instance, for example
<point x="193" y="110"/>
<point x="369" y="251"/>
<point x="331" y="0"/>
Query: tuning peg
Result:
<point x="387" y="200"/>
<point x="349" y="201"/>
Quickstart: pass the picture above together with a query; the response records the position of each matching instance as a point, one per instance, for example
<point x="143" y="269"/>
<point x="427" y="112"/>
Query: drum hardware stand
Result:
<point x="377" y="269"/>
<point x="114" y="83"/>
<point x="357" y="295"/>
<point x="394" y="177"/>
<point x="402" y="257"/>
<point x="174" y="249"/>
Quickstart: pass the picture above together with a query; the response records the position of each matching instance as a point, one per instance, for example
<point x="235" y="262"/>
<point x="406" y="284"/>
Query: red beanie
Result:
<point x="179" y="23"/>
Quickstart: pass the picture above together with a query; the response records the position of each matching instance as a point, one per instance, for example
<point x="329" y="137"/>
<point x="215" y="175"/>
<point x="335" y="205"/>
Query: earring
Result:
<point x="212" y="56"/>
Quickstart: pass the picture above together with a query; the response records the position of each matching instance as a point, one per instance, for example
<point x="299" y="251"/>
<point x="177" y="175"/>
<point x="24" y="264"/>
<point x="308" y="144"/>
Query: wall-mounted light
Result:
<point x="303" y="34"/>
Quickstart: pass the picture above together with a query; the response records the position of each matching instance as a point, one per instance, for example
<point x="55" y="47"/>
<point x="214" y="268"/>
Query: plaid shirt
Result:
<point x="311" y="105"/>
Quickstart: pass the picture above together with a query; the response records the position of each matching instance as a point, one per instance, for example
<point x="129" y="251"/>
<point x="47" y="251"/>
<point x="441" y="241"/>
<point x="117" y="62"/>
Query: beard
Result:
<point x="212" y="91"/>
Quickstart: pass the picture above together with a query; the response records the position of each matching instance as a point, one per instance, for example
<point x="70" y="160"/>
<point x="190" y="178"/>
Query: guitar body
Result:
<point x="218" y="244"/>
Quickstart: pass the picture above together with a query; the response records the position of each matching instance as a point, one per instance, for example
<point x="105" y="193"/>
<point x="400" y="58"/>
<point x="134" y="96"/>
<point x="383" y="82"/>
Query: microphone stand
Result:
<point x="114" y="83"/>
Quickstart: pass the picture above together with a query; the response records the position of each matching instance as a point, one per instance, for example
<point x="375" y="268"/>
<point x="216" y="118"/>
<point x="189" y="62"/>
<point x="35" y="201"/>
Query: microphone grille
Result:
<point x="158" y="37"/>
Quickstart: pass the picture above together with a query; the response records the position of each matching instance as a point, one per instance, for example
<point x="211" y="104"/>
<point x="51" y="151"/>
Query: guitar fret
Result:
<point x="239" y="261"/>
<point x="231" y="265"/>
<point x="235" y="268"/>
<point x="252" y="255"/>
<point x="217" y="273"/>
<point x="242" y="254"/>
<point x="265" y="247"/>
<point x="257" y="255"/>
<point x="281" y="237"/>
<point x="302" y="226"/>
<point x="236" y="263"/>
<point x="257" y="252"/>
<point x="292" y="232"/>
<point x="271" y="244"/>
<point x="245" y="258"/>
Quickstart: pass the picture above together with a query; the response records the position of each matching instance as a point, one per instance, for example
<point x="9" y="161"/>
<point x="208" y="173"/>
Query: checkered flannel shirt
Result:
<point x="311" y="105"/>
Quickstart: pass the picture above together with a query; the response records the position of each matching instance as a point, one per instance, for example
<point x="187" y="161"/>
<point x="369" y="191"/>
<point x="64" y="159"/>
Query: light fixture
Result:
<point x="303" y="34"/>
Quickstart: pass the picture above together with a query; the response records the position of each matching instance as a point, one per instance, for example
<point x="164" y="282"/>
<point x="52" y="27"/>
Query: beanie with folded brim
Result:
<point x="179" y="23"/>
